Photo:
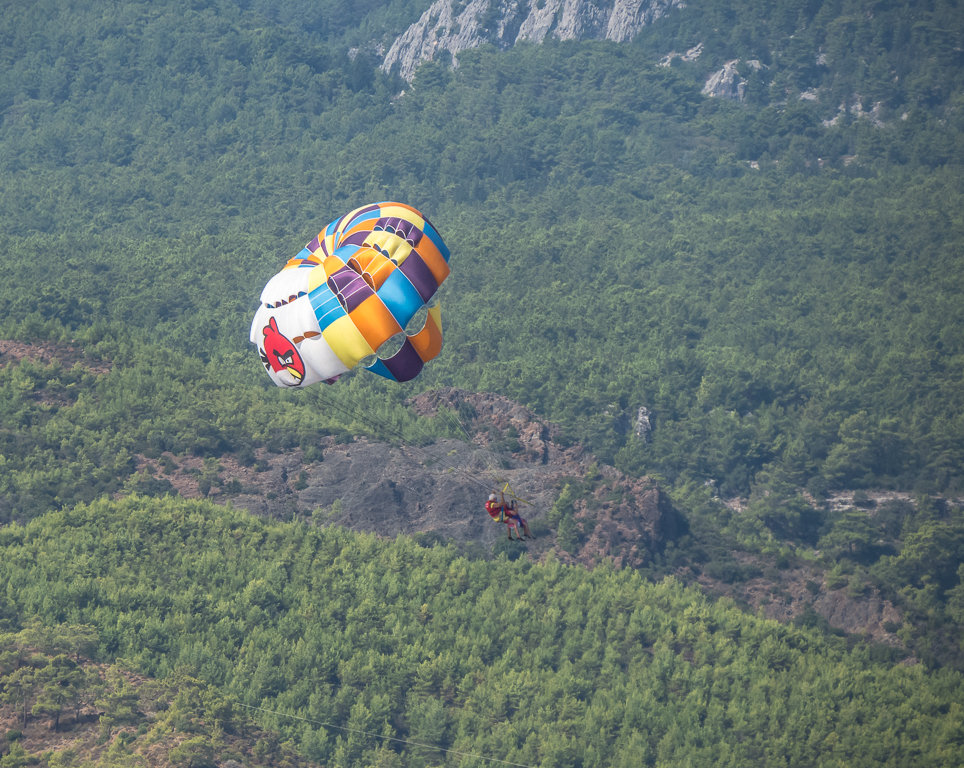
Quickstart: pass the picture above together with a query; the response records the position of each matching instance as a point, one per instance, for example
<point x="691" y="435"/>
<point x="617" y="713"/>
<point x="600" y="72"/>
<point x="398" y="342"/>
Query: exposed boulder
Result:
<point x="644" y="423"/>
<point x="691" y="55"/>
<point x="728" y="83"/>
<point x="625" y="521"/>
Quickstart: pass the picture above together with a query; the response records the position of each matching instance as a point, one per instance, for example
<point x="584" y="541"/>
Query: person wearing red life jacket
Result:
<point x="506" y="513"/>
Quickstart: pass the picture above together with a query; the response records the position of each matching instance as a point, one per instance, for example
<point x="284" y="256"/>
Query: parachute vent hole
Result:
<point x="417" y="322"/>
<point x="391" y="347"/>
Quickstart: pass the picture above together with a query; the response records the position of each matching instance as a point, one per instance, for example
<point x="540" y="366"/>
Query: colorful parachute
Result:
<point x="362" y="293"/>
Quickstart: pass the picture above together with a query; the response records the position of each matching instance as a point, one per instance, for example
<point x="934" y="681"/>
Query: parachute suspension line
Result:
<point x="380" y="427"/>
<point x="410" y="743"/>
<point x="451" y="417"/>
<point x="454" y="414"/>
<point x="369" y="423"/>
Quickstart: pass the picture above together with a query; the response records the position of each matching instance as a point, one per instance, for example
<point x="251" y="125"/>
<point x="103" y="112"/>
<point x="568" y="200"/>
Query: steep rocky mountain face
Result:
<point x="451" y="26"/>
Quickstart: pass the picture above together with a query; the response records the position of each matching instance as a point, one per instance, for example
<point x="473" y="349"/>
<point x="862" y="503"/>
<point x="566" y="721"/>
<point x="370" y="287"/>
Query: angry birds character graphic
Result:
<point x="361" y="294"/>
<point x="279" y="355"/>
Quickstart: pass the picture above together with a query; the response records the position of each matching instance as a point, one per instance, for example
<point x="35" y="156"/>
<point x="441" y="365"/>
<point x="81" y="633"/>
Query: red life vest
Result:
<point x="496" y="511"/>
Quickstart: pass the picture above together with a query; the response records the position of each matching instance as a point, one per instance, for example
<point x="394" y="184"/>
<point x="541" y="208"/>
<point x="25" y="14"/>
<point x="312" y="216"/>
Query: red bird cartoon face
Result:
<point x="279" y="355"/>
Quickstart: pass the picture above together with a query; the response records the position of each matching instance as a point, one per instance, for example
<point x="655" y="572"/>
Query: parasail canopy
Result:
<point x="360" y="294"/>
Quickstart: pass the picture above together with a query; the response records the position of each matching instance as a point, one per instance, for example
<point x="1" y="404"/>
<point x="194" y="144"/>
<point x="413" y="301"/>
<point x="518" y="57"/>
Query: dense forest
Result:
<point x="80" y="712"/>
<point x="781" y="294"/>
<point x="350" y="642"/>
<point x="776" y="280"/>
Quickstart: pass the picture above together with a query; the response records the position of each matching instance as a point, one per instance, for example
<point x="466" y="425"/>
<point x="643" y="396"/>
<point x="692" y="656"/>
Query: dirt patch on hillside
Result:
<point x="439" y="489"/>
<point x="790" y="593"/>
<point x="48" y="352"/>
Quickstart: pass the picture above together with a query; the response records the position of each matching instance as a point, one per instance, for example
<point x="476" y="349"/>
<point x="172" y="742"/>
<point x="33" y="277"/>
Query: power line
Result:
<point x="387" y="738"/>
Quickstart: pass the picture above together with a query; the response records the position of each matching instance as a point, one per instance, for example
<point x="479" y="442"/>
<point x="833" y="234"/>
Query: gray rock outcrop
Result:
<point x="644" y="423"/>
<point x="727" y="83"/>
<point x="450" y="26"/>
<point x="439" y="489"/>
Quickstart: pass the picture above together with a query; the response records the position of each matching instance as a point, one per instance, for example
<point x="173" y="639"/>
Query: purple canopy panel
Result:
<point x="350" y="288"/>
<point x="418" y="273"/>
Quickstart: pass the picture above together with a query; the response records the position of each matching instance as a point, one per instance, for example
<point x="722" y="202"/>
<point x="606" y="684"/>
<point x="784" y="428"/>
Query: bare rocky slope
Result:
<point x="440" y="489"/>
<point x="449" y="27"/>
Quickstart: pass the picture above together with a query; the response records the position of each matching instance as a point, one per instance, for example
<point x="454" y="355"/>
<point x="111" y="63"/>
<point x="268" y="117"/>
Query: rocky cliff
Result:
<point x="451" y="26"/>
<point x="439" y="490"/>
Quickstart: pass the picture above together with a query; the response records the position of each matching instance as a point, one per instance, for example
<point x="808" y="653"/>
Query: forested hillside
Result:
<point x="59" y="707"/>
<point x="776" y="280"/>
<point x="797" y="317"/>
<point x="361" y="647"/>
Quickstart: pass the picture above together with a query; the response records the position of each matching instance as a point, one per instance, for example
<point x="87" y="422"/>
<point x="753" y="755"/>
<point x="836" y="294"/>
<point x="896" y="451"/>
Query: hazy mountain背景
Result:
<point x="703" y="314"/>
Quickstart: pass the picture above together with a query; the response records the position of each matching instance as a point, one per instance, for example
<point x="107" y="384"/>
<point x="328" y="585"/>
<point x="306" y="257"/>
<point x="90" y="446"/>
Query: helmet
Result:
<point x="491" y="497"/>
